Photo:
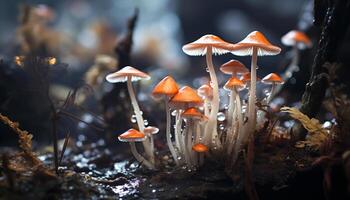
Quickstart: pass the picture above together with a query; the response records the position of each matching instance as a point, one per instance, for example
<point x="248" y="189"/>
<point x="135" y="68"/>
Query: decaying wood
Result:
<point x="336" y="21"/>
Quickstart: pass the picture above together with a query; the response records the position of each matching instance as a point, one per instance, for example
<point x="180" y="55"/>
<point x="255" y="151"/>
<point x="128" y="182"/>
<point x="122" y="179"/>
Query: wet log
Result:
<point x="334" y="18"/>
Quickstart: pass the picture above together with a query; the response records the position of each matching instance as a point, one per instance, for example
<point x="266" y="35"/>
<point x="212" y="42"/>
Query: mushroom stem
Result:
<point x="230" y="109"/>
<point x="184" y="142"/>
<point x="139" y="119"/>
<point x="238" y="128"/>
<point x="273" y="86"/>
<point x="292" y="67"/>
<point x="138" y="156"/>
<point x="211" y="131"/>
<point x="252" y="97"/>
<point x="168" y="132"/>
<point x="206" y="107"/>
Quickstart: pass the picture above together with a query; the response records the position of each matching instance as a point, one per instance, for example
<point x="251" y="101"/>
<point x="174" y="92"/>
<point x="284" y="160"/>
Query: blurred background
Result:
<point x="84" y="34"/>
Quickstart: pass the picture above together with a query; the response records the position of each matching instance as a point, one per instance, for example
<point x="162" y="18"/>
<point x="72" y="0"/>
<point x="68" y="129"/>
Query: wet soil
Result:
<point x="93" y="171"/>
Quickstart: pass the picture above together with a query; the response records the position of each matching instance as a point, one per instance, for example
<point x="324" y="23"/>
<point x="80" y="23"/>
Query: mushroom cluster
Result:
<point x="194" y="133"/>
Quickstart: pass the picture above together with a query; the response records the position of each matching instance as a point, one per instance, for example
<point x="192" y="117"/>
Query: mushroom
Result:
<point x="298" y="41"/>
<point x="185" y="98"/>
<point x="233" y="68"/>
<point x="235" y="85"/>
<point x="130" y="74"/>
<point x="192" y="116"/>
<point x="208" y="45"/>
<point x="133" y="136"/>
<point x="255" y="44"/>
<point x="206" y="92"/>
<point x="166" y="89"/>
<point x="151" y="130"/>
<point x="274" y="80"/>
<point x="200" y="149"/>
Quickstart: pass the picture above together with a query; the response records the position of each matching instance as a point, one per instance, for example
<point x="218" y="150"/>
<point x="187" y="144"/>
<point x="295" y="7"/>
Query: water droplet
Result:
<point x="221" y="127"/>
<point x="267" y="92"/>
<point x="179" y="157"/>
<point x="154" y="190"/>
<point x="133" y="119"/>
<point x="221" y="117"/>
<point x="145" y="122"/>
<point x="174" y="113"/>
<point x="207" y="69"/>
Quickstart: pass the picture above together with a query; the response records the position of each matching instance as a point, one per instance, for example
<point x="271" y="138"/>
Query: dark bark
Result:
<point x="336" y="20"/>
<point x="116" y="101"/>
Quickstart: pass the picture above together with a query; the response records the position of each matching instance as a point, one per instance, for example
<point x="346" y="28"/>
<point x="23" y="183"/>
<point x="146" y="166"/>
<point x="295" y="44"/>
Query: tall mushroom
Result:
<point x="255" y="44"/>
<point x="233" y="68"/>
<point x="209" y="45"/>
<point x="185" y="98"/>
<point x="133" y="136"/>
<point x="298" y="41"/>
<point x="274" y="80"/>
<point x="166" y="89"/>
<point x="130" y="74"/>
<point x="235" y="85"/>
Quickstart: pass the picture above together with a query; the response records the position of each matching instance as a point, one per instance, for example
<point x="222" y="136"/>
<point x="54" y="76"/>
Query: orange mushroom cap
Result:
<point x="246" y="78"/>
<point x="186" y="97"/>
<point x="258" y="40"/>
<point x="233" y="67"/>
<point x="200" y="148"/>
<point x="166" y="87"/>
<point x="205" y="91"/>
<point x="123" y="74"/>
<point x="132" y="135"/>
<point x="272" y="78"/>
<point x="199" y="47"/>
<point x="298" y="38"/>
<point x="194" y="114"/>
<point x="234" y="83"/>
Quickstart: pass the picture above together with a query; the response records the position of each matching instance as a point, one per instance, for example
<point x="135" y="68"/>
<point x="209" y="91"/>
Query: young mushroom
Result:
<point x="192" y="116"/>
<point x="254" y="45"/>
<point x="130" y="74"/>
<point x="209" y="45"/>
<point x="233" y="68"/>
<point x="166" y="89"/>
<point x="200" y="149"/>
<point x="298" y="41"/>
<point x="184" y="99"/>
<point x="235" y="85"/>
<point x="131" y="136"/>
<point x="274" y="80"/>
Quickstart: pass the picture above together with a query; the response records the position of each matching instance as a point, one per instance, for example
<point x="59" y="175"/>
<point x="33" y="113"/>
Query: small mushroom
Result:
<point x="166" y="89"/>
<point x="234" y="68"/>
<point x="192" y="116"/>
<point x="298" y="41"/>
<point x="200" y="149"/>
<point x="209" y="45"/>
<point x="151" y="130"/>
<point x="235" y="85"/>
<point x="129" y="74"/>
<point x="274" y="80"/>
<point x="131" y="136"/>
<point x="254" y="45"/>
<point x="185" y="98"/>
